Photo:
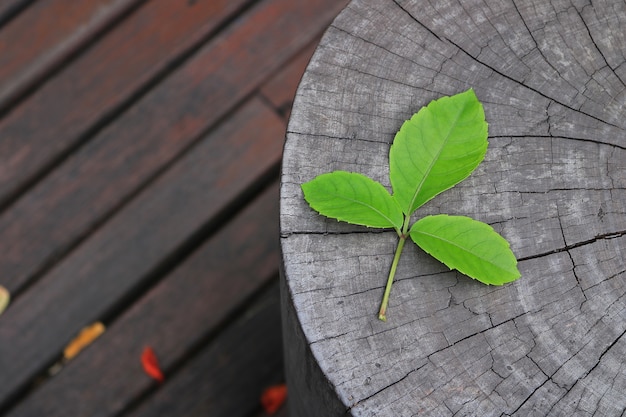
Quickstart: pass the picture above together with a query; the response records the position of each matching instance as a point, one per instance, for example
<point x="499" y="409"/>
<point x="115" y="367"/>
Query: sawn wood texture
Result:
<point x="552" y="78"/>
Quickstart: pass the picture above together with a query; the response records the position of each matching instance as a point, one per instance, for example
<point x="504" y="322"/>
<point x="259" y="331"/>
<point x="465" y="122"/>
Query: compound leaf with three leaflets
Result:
<point x="440" y="146"/>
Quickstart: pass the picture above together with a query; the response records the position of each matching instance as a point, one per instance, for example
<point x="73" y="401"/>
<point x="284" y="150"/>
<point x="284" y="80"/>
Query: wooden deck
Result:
<point x="140" y="144"/>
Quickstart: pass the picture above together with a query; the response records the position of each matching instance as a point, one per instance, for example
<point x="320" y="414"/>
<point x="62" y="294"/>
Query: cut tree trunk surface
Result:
<point x="552" y="78"/>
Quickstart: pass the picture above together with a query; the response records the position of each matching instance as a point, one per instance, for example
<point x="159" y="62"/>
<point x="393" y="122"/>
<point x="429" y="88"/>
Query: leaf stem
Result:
<point x="382" y="314"/>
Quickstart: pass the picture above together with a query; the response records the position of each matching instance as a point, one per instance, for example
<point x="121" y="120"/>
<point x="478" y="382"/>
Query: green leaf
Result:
<point x="437" y="148"/>
<point x="467" y="245"/>
<point x="353" y="198"/>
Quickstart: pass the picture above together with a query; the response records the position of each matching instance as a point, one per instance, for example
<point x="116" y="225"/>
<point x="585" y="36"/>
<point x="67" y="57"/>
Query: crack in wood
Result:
<point x="495" y="70"/>
<point x="325" y="339"/>
<point x="594" y="141"/>
<point x="291" y="132"/>
<point x="569" y="254"/>
<point x="593" y="41"/>
<point x="347" y="33"/>
<point x="285" y="235"/>
<point x="604" y="236"/>
<point x="386" y="387"/>
<point x="598" y="361"/>
<point x="417" y="21"/>
<point x="537" y="47"/>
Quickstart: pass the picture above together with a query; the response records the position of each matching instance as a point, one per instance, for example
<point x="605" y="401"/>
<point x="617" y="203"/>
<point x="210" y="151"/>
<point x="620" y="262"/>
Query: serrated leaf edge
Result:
<point x="391" y="222"/>
<point x="428" y="108"/>
<point x="514" y="273"/>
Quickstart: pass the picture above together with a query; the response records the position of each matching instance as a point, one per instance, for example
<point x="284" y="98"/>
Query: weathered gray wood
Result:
<point x="552" y="77"/>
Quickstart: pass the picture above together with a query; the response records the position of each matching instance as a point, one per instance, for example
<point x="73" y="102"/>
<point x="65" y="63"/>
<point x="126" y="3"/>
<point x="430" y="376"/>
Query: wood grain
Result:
<point x="10" y="8"/>
<point x="177" y="316"/>
<point x="551" y="78"/>
<point x="63" y="112"/>
<point x="96" y="278"/>
<point x="100" y="177"/>
<point x="231" y="379"/>
<point x="280" y="90"/>
<point x="31" y="47"/>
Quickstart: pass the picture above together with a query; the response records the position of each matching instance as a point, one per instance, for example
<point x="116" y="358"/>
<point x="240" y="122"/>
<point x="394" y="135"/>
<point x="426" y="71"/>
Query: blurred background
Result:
<point x="140" y="147"/>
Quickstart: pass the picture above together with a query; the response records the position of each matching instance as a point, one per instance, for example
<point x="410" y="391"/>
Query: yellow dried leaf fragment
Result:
<point x="5" y="297"/>
<point x="86" y="336"/>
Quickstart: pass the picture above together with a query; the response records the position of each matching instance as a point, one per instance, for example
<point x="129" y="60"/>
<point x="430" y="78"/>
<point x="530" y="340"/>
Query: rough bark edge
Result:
<point x="311" y="394"/>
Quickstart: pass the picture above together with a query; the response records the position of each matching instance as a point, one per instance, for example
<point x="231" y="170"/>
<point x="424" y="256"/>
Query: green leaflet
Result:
<point x="353" y="198"/>
<point x="467" y="245"/>
<point x="437" y="148"/>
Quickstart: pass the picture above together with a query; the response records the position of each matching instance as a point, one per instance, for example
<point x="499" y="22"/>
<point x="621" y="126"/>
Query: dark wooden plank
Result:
<point x="190" y="305"/>
<point x="227" y="377"/>
<point x="39" y="39"/>
<point x="103" y="173"/>
<point x="553" y="183"/>
<point x="96" y="277"/>
<point x="10" y="8"/>
<point x="57" y="116"/>
<point x="281" y="88"/>
<point x="283" y="412"/>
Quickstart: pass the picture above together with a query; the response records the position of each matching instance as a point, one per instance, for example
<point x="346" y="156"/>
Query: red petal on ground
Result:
<point x="151" y="364"/>
<point x="273" y="398"/>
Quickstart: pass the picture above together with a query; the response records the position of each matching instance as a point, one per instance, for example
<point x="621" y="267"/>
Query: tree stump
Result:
<point x="551" y="76"/>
